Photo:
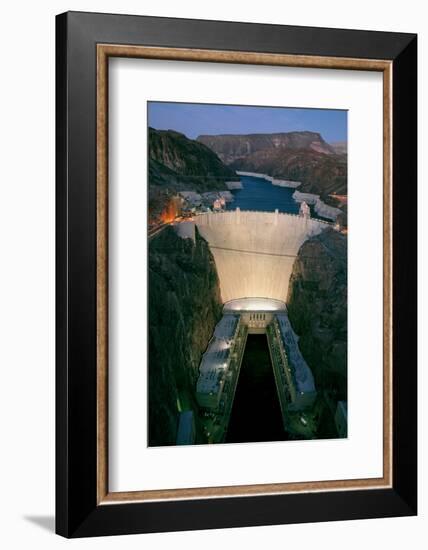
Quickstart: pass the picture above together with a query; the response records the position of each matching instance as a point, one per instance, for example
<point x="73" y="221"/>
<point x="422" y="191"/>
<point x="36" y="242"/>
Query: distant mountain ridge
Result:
<point x="300" y="156"/>
<point x="230" y="147"/>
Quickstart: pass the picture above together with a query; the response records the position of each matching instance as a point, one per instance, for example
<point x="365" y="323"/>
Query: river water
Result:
<point x="260" y="194"/>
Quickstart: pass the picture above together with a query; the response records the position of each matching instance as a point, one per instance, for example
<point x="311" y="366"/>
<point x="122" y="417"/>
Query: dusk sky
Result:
<point x="194" y="119"/>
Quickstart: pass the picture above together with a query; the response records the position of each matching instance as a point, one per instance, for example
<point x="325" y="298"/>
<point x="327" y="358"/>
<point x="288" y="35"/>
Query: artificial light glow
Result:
<point x="254" y="304"/>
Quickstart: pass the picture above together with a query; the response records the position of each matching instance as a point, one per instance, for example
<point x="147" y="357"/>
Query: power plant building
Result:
<point x="215" y="366"/>
<point x="293" y="377"/>
<point x="219" y="368"/>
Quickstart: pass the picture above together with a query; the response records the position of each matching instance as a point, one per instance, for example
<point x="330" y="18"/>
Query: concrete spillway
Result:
<point x="255" y="251"/>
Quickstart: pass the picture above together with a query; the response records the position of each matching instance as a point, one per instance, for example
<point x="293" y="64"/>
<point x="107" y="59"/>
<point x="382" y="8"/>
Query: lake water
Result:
<point x="259" y="194"/>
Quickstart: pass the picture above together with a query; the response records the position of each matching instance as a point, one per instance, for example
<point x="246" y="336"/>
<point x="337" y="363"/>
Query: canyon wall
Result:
<point x="230" y="147"/>
<point x="177" y="163"/>
<point x="184" y="307"/>
<point x="303" y="157"/>
<point x="317" y="308"/>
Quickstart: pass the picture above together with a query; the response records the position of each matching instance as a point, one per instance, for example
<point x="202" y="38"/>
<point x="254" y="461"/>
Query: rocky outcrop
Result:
<point x="184" y="163"/>
<point x="177" y="163"/>
<point x="317" y="307"/>
<point x="318" y="173"/>
<point x="340" y="147"/>
<point x="324" y="210"/>
<point x="184" y="307"/>
<point x="303" y="157"/>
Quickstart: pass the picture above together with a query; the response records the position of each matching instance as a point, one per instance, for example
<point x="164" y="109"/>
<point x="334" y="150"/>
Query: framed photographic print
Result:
<point x="236" y="274"/>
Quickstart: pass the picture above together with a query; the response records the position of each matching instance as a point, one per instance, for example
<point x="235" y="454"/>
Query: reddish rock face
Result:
<point x="299" y="156"/>
<point x="319" y="173"/>
<point x="232" y="147"/>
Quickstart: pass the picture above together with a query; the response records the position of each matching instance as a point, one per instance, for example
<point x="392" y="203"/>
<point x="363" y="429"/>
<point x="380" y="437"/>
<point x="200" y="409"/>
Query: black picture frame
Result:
<point x="78" y="513"/>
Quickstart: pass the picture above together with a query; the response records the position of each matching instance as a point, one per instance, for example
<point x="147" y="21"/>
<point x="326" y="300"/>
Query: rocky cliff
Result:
<point x="174" y="156"/>
<point x="233" y="147"/>
<point x="301" y="156"/>
<point x="178" y="163"/>
<point x="317" y="306"/>
<point x="318" y="173"/>
<point x="340" y="147"/>
<point x="184" y="307"/>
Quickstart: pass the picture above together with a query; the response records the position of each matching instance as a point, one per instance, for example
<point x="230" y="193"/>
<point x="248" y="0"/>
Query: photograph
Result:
<point x="212" y="275"/>
<point x="247" y="273"/>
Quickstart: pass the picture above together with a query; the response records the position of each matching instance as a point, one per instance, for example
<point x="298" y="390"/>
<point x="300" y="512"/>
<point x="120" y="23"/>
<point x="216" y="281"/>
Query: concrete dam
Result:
<point x="254" y="251"/>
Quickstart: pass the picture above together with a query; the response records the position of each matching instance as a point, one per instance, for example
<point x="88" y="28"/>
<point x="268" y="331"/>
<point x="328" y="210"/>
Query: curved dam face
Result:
<point x="254" y="252"/>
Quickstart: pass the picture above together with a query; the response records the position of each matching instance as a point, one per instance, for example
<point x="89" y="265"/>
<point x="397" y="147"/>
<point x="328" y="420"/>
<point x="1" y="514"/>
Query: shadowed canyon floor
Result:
<point x="256" y="414"/>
